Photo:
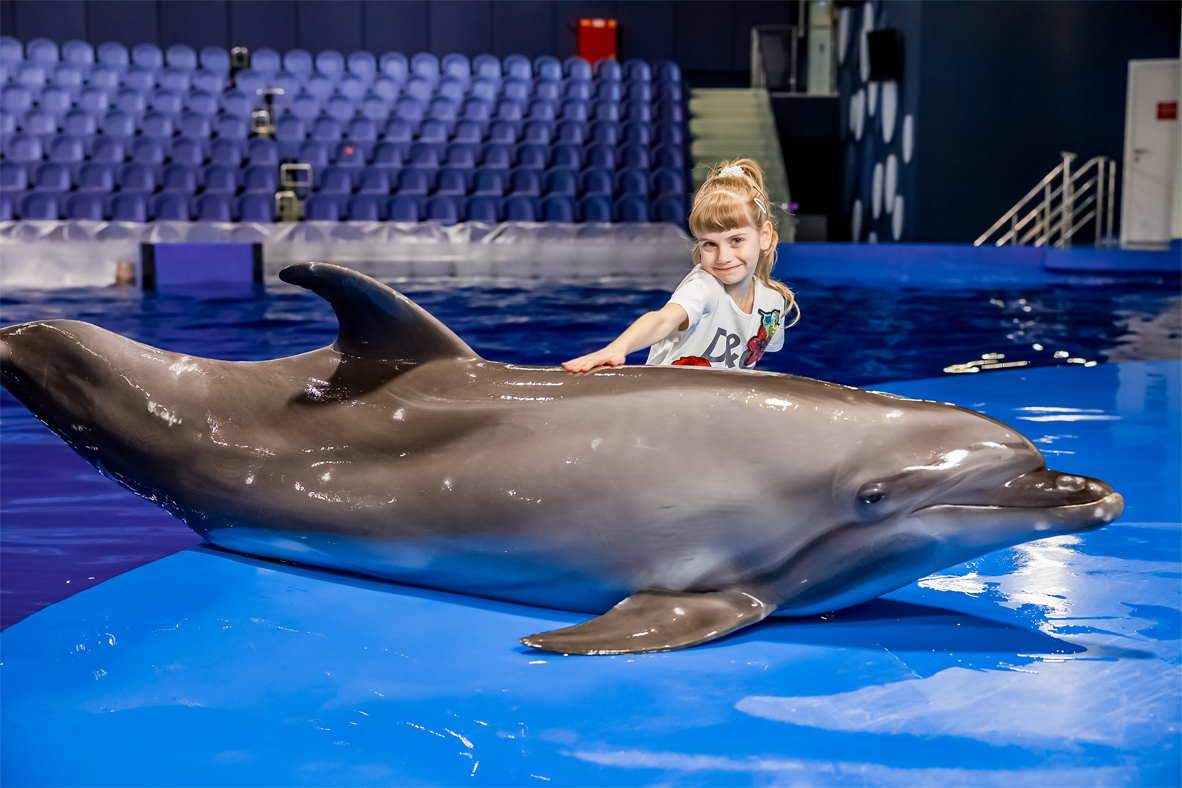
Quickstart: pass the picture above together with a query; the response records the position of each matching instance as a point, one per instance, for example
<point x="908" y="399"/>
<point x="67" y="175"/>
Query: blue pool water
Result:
<point x="65" y="528"/>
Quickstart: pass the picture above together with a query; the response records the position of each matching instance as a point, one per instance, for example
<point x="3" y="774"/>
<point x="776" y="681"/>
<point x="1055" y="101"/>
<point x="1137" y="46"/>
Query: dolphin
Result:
<point x="678" y="504"/>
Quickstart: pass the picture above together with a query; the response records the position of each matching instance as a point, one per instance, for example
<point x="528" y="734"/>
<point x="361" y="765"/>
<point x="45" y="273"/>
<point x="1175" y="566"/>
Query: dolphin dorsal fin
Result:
<point x="376" y="321"/>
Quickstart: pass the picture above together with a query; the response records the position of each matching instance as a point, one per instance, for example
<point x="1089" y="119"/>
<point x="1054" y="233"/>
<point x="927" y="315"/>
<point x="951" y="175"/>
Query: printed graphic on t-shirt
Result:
<point x="769" y="324"/>
<point x="691" y="361"/>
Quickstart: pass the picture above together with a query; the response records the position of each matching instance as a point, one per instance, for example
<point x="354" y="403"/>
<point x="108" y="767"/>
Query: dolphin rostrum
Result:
<point x="681" y="504"/>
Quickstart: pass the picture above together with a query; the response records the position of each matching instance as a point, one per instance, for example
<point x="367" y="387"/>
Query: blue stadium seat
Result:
<point x="399" y="132"/>
<point x="209" y="81"/>
<point x="482" y="208"/>
<point x="67" y="150"/>
<point x="667" y="133"/>
<point x="78" y="54"/>
<point x="395" y="66"/>
<point x="666" y="71"/>
<point x="187" y="150"/>
<point x="42" y="51"/>
<point x="560" y="180"/>
<point x="203" y="103"/>
<point x="461" y="155"/>
<point x="376" y="109"/>
<point x="387" y="155"/>
<point x="341" y="109"/>
<point x="180" y="178"/>
<point x="114" y="56"/>
<point x="289" y="135"/>
<point x="374" y="180"/>
<point x="56" y="101"/>
<point x="444" y="209"/>
<point x="215" y="59"/>
<point x="496" y="155"/>
<point x="25" y="150"/>
<point x="637" y="91"/>
<point x="535" y="156"/>
<point x="596" y="180"/>
<point x="108" y="150"/>
<point x="602" y="109"/>
<point x="362" y="132"/>
<point x="413" y="180"/>
<point x="577" y="91"/>
<point x="577" y="69"/>
<point x="423" y="155"/>
<point x="595" y="208"/>
<point x="669" y="111"/>
<point x="603" y="132"/>
<point x="170" y="207"/>
<point x="260" y="179"/>
<point x="327" y="131"/>
<point x="148" y="56"/>
<point x="666" y="155"/>
<point x="220" y="179"/>
<point x="331" y="64"/>
<point x="69" y="79"/>
<point x="232" y="127"/>
<point x="94" y="102"/>
<point x="226" y="151"/>
<point x="129" y="207"/>
<point x="8" y="201"/>
<point x="403" y="208"/>
<point x="13" y="177"/>
<point x="669" y="208"/>
<point x="599" y="155"/>
<point x="157" y="126"/>
<point x="607" y="91"/>
<point x="520" y="208"/>
<point x="517" y="67"/>
<point x="290" y="84"/>
<point x="85" y="206"/>
<point x="52" y="178"/>
<point x="516" y="90"/>
<point x="433" y="132"/>
<point x="410" y="110"/>
<point x="40" y="124"/>
<point x="173" y="82"/>
<point x="607" y="69"/>
<point x="478" y="110"/>
<point x="96" y="177"/>
<point x="139" y="80"/>
<point x="266" y="62"/>
<point x="637" y="70"/>
<point x="667" y="91"/>
<point x="632" y="155"/>
<point x="418" y="89"/>
<point x="631" y="208"/>
<point x="136" y="177"/>
<point x="166" y="102"/>
<point x="305" y="107"/>
<point x="196" y="127"/>
<point x="487" y="66"/>
<point x="635" y="132"/>
<point x="632" y="180"/>
<point x="363" y="65"/>
<point x="314" y="153"/>
<point x="39" y="206"/>
<point x="451" y="90"/>
<point x="298" y="62"/>
<point x="262" y="151"/>
<point x="214" y="207"/>
<point x="570" y="131"/>
<point x="488" y="181"/>
<point x="7" y="129"/>
<point x="366" y="208"/>
<point x="181" y="57"/>
<point x="452" y="181"/>
<point x="547" y="67"/>
<point x="425" y="65"/>
<point x="351" y="157"/>
<point x="569" y="156"/>
<point x="666" y="180"/>
<point x="484" y="89"/>
<point x="503" y="132"/>
<point x="336" y="181"/>
<point x="322" y="208"/>
<point x="536" y="132"/>
<point x="32" y="77"/>
<point x="256" y="208"/>
<point x="548" y="90"/>
<point x="11" y="51"/>
<point x="557" y="208"/>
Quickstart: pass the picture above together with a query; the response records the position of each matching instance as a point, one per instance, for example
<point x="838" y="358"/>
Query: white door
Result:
<point x="1151" y="152"/>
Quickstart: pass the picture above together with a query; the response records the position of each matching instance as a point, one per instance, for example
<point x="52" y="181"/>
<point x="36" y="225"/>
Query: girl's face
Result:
<point x="730" y="256"/>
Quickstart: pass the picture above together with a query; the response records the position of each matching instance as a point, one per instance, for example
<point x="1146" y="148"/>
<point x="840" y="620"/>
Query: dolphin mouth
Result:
<point x="1053" y="500"/>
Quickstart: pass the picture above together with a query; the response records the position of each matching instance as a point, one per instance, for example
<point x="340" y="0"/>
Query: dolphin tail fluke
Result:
<point x="376" y="321"/>
<point x="657" y="620"/>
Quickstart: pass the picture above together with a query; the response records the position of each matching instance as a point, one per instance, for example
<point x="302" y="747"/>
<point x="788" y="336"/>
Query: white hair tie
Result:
<point x="732" y="171"/>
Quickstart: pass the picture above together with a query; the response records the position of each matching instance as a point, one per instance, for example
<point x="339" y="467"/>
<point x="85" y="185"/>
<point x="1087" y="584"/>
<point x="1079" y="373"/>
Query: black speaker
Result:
<point x="886" y="55"/>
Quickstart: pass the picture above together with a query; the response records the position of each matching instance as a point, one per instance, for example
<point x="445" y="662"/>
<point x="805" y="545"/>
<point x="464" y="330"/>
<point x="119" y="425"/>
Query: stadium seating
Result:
<point x="134" y="134"/>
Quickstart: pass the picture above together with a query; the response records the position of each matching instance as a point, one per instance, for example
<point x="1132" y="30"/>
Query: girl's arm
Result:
<point x="649" y="329"/>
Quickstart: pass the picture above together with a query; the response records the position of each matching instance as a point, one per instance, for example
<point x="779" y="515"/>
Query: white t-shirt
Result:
<point x="720" y="334"/>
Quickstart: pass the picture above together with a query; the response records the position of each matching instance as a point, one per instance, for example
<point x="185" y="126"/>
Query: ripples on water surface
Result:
<point x="66" y="528"/>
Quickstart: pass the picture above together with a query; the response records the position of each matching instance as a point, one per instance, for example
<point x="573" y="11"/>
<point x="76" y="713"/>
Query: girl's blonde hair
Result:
<point x="734" y="196"/>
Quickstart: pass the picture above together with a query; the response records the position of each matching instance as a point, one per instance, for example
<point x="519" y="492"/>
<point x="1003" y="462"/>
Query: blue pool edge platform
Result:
<point x="1053" y="663"/>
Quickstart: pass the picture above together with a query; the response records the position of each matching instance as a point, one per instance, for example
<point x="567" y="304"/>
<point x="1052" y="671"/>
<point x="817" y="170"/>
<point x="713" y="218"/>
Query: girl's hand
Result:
<point x="605" y="357"/>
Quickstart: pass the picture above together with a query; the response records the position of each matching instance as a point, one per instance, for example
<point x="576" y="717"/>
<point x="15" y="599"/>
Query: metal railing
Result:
<point x="1063" y="203"/>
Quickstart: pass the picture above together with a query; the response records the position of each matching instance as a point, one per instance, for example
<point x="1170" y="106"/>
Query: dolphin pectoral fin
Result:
<point x="376" y="321"/>
<point x="657" y="620"/>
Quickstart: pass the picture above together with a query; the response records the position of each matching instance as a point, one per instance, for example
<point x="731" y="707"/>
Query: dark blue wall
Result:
<point x="707" y="37"/>
<point x="998" y="89"/>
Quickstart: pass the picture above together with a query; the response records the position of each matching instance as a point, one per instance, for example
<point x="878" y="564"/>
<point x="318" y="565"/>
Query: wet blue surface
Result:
<point x="1053" y="663"/>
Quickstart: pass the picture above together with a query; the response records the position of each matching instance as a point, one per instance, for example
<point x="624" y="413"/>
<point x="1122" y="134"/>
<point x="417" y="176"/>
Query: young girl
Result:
<point x="728" y="311"/>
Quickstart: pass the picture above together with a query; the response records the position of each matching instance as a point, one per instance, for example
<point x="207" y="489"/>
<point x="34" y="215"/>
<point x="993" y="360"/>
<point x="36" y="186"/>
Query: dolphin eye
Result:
<point x="872" y="493"/>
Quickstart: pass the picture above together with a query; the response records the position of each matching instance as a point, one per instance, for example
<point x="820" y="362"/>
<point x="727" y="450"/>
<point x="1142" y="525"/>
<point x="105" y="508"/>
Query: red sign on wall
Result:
<point x="1167" y="110"/>
<point x="597" y="39"/>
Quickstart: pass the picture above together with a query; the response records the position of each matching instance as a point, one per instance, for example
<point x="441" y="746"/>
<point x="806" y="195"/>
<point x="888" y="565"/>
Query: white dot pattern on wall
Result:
<point x="876" y="192"/>
<point x="908" y="138"/>
<point x="891" y="182"/>
<point x="872" y="95"/>
<point x="872" y="238"/>
<point x="856" y="222"/>
<point x="864" y="56"/>
<point x="890" y="108"/>
<point x="843" y="34"/>
<point x="897" y="218"/>
<point x="858" y="113"/>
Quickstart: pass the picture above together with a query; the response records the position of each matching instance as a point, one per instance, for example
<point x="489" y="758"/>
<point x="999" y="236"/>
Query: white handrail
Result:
<point x="1048" y="213"/>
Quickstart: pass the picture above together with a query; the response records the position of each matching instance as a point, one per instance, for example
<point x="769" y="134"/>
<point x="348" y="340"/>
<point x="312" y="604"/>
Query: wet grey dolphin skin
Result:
<point x="680" y="504"/>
